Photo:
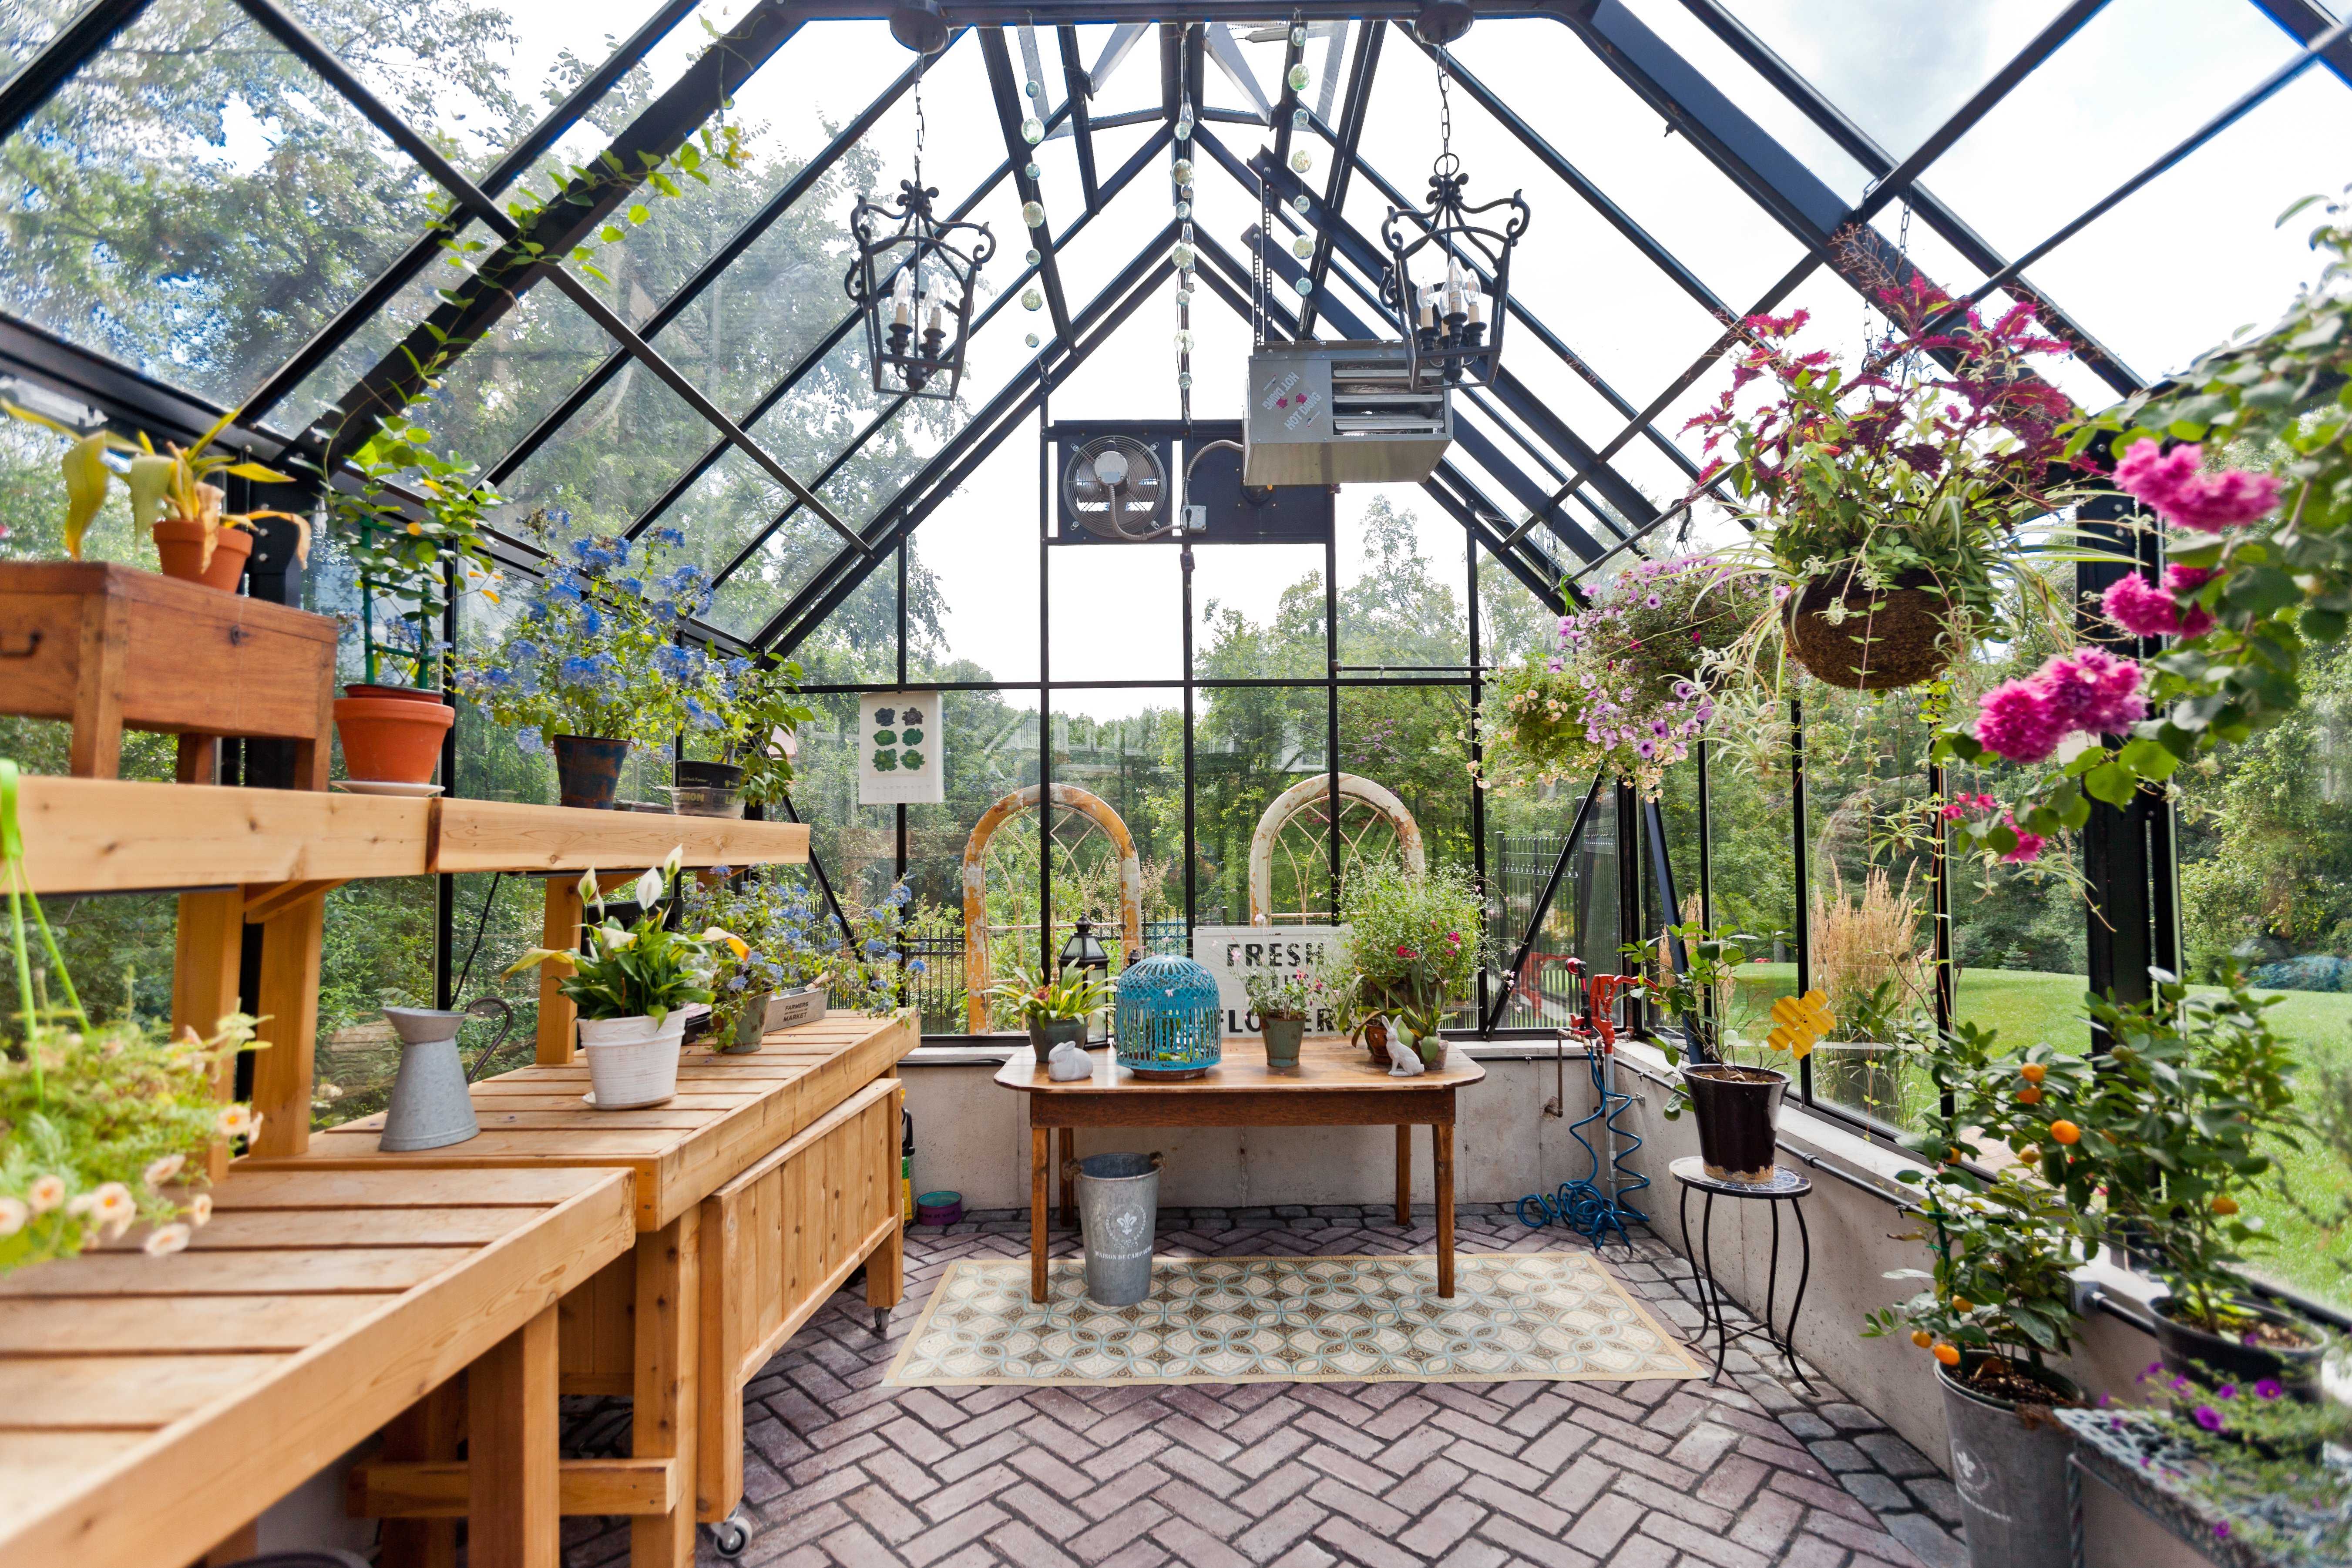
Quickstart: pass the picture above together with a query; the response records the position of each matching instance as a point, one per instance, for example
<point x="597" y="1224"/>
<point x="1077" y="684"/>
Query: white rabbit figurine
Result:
<point x="1066" y="1063"/>
<point x="1408" y="1060"/>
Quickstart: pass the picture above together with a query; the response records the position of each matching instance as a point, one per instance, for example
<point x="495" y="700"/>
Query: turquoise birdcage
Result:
<point x="1170" y="1024"/>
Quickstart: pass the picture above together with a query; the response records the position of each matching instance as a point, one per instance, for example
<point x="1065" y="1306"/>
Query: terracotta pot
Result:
<point x="2192" y="1351"/>
<point x="391" y="740"/>
<point x="588" y="770"/>
<point x="1898" y="636"/>
<point x="1736" y="1118"/>
<point x="180" y="541"/>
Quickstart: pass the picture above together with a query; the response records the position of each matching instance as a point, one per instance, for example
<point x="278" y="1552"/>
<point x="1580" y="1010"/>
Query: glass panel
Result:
<point x="2266" y="839"/>
<point x="972" y="581"/>
<point x="1528" y="828"/>
<point x="195" y="202"/>
<point x="1125" y="749"/>
<point x="376" y="953"/>
<point x="1258" y="610"/>
<point x="1115" y="612"/>
<point x="1249" y="745"/>
<point x="1751" y="861"/>
<point x="858" y="642"/>
<point x="991" y="752"/>
<point x="1403" y="577"/>
<point x="1407" y="740"/>
<point x="28" y="28"/>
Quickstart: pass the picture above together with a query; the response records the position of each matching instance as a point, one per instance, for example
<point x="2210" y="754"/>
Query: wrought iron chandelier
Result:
<point x="1449" y="275"/>
<point x="913" y="280"/>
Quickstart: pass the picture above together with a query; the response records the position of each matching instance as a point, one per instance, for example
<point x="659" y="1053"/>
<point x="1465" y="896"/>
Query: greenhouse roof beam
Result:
<point x="1009" y="117"/>
<point x="1078" y="90"/>
<point x="38" y="79"/>
<point x="1343" y="165"/>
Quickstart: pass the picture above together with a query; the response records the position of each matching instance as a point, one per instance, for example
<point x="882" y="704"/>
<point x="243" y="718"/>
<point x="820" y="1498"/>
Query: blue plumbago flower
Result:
<point x="699" y="717"/>
<point x="722" y="870"/>
<point x="524" y="651"/>
<point x="563" y="588"/>
<point x="670" y="535"/>
<point x="876" y="947"/>
<point x="633" y="584"/>
<point x="673" y="661"/>
<point x="916" y="966"/>
<point x="678" y="578"/>
<point x="739" y="667"/>
<point x="531" y="743"/>
<point x="498" y="679"/>
<point x="591" y="623"/>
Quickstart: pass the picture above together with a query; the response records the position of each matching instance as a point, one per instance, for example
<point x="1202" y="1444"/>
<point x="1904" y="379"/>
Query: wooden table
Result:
<point x="1334" y="1085"/>
<point x="150" y="1407"/>
<point x="650" y="1326"/>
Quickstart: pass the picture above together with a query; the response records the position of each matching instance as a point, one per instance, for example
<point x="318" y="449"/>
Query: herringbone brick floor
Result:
<point x="1668" y="1473"/>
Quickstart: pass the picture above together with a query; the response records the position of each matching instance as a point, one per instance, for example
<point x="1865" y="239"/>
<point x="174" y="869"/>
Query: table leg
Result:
<point x="1037" y="1149"/>
<point x="1405" y="1172"/>
<point x="1722" y="1318"/>
<point x="669" y="1343"/>
<point x="198" y="760"/>
<point x="511" y="1519"/>
<point x="559" y="931"/>
<point x="1805" y="1276"/>
<point x="429" y="1430"/>
<point x="206" y="955"/>
<point x="1445" y="1134"/>
<point x="1067" y="1210"/>
<point x="290" y="1009"/>
<point x="96" y="750"/>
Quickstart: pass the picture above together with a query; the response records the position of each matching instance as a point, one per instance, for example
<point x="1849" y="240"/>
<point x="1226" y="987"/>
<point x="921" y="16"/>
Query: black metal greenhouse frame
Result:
<point x="2127" y="853"/>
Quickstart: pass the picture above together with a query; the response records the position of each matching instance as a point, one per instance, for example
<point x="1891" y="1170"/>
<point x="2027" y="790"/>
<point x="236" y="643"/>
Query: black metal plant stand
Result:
<point x="1786" y="1185"/>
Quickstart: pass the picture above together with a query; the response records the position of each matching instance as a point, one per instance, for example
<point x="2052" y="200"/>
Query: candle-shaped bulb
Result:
<point x="935" y="322"/>
<point x="903" y="301"/>
<point x="1429" y="305"/>
<point x="1471" y="298"/>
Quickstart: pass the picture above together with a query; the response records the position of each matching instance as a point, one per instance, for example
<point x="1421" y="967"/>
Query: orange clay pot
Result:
<point x="180" y="541"/>
<point x="392" y="740"/>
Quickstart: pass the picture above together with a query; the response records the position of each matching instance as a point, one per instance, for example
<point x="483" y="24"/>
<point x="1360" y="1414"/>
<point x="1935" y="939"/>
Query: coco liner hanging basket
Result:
<point x="1892" y="638"/>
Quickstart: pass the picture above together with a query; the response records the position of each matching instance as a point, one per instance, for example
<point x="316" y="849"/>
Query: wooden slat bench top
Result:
<point x="149" y="1406"/>
<point x="728" y="1112"/>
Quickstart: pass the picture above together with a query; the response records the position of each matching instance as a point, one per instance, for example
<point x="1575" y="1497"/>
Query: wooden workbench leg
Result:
<point x="886" y="1271"/>
<point x="559" y="931"/>
<point x="207" y="954"/>
<point x="664" y="1414"/>
<point x="289" y="1010"/>
<point x="429" y="1430"/>
<point x="198" y="760"/>
<point x="1445" y="1132"/>
<point x="1037" y="1149"/>
<point x="511" y="1470"/>
<point x="1405" y="1172"/>
<point x="1067" y="1211"/>
<point x="96" y="750"/>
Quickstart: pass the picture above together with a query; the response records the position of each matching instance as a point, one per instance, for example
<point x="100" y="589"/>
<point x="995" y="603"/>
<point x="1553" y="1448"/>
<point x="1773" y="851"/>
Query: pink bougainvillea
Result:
<point x="2184" y="495"/>
<point x="2146" y="610"/>
<point x="2088" y="690"/>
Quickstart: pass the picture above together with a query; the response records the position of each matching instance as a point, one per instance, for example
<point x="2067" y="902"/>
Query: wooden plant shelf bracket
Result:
<point x="438" y="1488"/>
<point x="264" y="900"/>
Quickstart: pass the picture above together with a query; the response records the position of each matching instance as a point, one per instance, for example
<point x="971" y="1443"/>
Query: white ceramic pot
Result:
<point x="632" y="1061"/>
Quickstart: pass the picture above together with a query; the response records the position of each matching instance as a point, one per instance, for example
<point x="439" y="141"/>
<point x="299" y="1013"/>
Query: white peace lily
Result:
<point x="649" y="890"/>
<point x="670" y="866"/>
<point x="590" y="893"/>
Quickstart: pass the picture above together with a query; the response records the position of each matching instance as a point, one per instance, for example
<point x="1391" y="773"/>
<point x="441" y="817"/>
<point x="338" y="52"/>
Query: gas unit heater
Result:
<point x="1341" y="414"/>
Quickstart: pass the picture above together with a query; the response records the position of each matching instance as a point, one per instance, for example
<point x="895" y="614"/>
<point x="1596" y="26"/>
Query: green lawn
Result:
<point x="2029" y="1007"/>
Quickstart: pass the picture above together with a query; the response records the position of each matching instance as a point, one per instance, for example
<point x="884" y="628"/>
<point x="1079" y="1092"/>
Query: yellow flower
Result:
<point x="735" y="943"/>
<point x="166" y="1240"/>
<point x="200" y="1210"/>
<point x="45" y="1192"/>
<point x="161" y="1171"/>
<point x="13" y="1215"/>
<point x="415" y="527"/>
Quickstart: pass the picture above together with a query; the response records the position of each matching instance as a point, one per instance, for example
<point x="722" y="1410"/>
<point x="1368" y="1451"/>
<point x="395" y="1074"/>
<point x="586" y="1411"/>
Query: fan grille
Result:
<point x="1116" y="489"/>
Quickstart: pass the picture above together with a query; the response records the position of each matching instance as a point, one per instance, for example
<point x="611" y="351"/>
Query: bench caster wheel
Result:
<point x="731" y="1537"/>
<point x="882" y="1322"/>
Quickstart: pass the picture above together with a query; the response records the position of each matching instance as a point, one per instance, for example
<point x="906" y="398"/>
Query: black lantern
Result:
<point x="1449" y="276"/>
<point x="1084" y="953"/>
<point x="913" y="282"/>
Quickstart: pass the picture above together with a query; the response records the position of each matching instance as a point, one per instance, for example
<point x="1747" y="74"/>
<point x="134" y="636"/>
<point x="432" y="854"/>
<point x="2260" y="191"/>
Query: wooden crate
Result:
<point x="776" y="1242"/>
<point x="110" y="647"/>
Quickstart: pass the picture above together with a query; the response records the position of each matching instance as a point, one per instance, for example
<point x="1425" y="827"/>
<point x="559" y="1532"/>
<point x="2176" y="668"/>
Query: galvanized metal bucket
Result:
<point x="429" y="1107"/>
<point x="1119" y="1203"/>
<point x="2011" y="1480"/>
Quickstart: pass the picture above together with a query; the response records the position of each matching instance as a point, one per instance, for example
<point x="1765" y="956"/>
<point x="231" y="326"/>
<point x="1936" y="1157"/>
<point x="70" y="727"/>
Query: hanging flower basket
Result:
<point x="1863" y="639"/>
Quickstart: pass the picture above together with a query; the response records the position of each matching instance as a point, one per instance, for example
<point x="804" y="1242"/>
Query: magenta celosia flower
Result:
<point x="2144" y="610"/>
<point x="2018" y="719"/>
<point x="2096" y="690"/>
<point x="2029" y="845"/>
<point x="2175" y="484"/>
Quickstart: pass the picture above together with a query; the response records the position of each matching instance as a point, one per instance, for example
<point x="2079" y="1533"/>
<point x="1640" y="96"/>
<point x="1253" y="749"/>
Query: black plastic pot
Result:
<point x="1738" y="1118"/>
<point x="588" y="770"/>
<point x="2191" y="1352"/>
<point x="709" y="775"/>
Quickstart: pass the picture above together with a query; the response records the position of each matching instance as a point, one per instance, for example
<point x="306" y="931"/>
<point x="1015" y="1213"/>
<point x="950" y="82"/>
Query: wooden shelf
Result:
<point x="90" y="835"/>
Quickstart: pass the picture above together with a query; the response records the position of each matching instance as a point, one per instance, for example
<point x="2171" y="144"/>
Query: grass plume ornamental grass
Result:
<point x="1861" y="944"/>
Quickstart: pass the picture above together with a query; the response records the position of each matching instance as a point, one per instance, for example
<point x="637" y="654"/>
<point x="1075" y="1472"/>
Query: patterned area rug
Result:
<point x="1553" y="1316"/>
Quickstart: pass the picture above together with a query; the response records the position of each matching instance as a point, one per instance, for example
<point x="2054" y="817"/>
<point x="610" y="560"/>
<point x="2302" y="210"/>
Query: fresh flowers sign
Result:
<point x="1238" y="954"/>
<point x="898" y="746"/>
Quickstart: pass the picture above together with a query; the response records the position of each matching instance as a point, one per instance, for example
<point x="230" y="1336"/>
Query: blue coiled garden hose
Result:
<point x="1581" y="1206"/>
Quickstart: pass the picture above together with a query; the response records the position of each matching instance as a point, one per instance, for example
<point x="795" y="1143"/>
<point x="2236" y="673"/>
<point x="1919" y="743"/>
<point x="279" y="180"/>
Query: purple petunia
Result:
<point x="2208" y="1418"/>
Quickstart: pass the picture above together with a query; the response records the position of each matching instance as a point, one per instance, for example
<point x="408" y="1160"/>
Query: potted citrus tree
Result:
<point x="1997" y="1299"/>
<point x="632" y="986"/>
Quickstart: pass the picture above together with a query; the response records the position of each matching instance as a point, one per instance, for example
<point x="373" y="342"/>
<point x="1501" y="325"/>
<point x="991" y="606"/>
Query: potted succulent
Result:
<point x="632" y="986"/>
<point x="1283" y="1001"/>
<point x="1998" y="1297"/>
<point x="1626" y="688"/>
<point x="102" y="1126"/>
<point x="1056" y="1010"/>
<point x="1415" y="941"/>
<point x="595" y="662"/>
<point x="172" y="494"/>
<point x="1891" y="500"/>
<point x="2171" y="1122"/>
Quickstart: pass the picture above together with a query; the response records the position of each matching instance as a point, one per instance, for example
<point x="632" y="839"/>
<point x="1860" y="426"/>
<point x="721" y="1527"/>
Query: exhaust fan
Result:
<point x="1115" y="487"/>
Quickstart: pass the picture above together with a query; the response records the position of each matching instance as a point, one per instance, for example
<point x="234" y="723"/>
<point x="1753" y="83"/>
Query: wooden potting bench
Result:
<point x="150" y="1407"/>
<point x="755" y="1192"/>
